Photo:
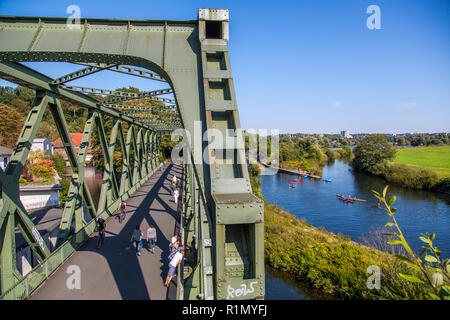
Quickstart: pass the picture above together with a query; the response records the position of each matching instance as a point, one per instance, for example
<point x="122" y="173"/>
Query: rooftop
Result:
<point x="76" y="139"/>
<point x="4" y="151"/>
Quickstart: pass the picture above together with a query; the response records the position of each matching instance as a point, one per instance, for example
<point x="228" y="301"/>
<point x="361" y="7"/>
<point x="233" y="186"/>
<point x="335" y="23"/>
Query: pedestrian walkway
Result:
<point x="114" y="271"/>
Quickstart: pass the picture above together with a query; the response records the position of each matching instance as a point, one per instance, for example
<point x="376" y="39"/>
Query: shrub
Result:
<point x="42" y="168"/>
<point x="60" y="164"/>
<point x="410" y="176"/>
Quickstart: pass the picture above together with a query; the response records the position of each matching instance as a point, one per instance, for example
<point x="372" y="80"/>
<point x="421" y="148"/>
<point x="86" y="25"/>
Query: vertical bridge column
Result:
<point x="238" y="214"/>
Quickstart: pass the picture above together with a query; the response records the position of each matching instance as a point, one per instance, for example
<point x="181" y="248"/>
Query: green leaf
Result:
<point x="432" y="236"/>
<point x="403" y="258"/>
<point x="430" y="258"/>
<point x="389" y="224"/>
<point x="432" y="296"/>
<point x="408" y="262"/>
<point x="384" y="191"/>
<point x="448" y="268"/>
<point x="395" y="242"/>
<point x="410" y="278"/>
<point x="390" y="234"/>
<point x="423" y="252"/>
<point x="392" y="200"/>
<point x="424" y="240"/>
<point x="375" y="192"/>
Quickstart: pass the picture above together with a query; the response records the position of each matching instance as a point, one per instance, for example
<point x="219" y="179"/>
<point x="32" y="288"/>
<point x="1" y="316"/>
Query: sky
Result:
<point x="313" y="66"/>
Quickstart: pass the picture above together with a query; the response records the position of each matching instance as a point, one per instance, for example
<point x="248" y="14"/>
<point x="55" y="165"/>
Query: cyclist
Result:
<point x="123" y="211"/>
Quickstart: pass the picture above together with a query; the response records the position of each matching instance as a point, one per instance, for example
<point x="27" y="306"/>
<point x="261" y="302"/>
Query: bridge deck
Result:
<point x="114" y="271"/>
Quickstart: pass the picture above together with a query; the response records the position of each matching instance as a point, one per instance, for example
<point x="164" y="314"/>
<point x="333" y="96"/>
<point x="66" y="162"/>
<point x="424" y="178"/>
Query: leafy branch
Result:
<point x="434" y="275"/>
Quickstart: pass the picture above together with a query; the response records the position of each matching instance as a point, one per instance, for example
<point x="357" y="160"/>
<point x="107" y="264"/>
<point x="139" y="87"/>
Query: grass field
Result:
<point x="434" y="158"/>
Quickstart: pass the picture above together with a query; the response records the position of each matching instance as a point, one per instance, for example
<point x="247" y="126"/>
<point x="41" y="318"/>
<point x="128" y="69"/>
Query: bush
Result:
<point x="42" y="168"/>
<point x="410" y="176"/>
<point x="330" y="155"/>
<point x="60" y="164"/>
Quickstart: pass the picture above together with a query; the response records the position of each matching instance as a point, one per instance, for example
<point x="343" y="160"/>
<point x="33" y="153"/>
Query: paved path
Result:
<point x="115" y="271"/>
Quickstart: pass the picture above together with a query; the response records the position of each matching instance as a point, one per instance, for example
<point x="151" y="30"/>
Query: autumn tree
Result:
<point x="11" y="126"/>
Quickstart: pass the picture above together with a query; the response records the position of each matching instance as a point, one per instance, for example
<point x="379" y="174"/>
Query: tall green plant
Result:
<point x="432" y="272"/>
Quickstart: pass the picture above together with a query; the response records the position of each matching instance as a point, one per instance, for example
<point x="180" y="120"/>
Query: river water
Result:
<point x="315" y="200"/>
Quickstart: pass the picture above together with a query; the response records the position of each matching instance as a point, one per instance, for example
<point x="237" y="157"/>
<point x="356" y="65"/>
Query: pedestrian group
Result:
<point x="176" y="251"/>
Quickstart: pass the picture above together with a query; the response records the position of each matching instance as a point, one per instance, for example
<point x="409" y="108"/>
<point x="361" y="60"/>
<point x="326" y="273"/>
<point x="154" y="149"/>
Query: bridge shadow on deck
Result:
<point x="114" y="271"/>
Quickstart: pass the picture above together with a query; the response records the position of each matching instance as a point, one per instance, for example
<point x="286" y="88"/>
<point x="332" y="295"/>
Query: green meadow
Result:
<point x="436" y="159"/>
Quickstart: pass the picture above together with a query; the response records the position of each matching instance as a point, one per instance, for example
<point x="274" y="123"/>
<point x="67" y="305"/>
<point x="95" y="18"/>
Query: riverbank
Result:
<point x="331" y="263"/>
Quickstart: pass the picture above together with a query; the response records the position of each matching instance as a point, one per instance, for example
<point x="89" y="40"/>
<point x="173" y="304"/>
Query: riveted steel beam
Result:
<point x="132" y="71"/>
<point x="167" y="108"/>
<point x="81" y="73"/>
<point x="122" y="94"/>
<point x="141" y="95"/>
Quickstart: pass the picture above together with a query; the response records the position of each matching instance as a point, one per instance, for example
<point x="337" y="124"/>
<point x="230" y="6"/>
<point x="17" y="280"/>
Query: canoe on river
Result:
<point x="296" y="180"/>
<point x="340" y="196"/>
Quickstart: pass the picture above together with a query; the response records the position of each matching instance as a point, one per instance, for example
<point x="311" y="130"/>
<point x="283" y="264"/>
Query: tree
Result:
<point x="372" y="154"/>
<point x="11" y="126"/>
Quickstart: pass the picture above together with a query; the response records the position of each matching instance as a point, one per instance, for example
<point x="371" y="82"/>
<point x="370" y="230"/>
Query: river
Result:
<point x="316" y="201"/>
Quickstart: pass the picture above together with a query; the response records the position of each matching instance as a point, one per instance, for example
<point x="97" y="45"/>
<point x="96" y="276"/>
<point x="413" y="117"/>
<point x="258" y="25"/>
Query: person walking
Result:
<point x="174" y="262"/>
<point x="174" y="180"/>
<point x="172" y="188"/>
<point x="161" y="166"/>
<point x="101" y="231"/>
<point x="176" y="193"/>
<point x="172" y="254"/>
<point x="173" y="241"/>
<point x="151" y="238"/>
<point x="122" y="211"/>
<point x="137" y="237"/>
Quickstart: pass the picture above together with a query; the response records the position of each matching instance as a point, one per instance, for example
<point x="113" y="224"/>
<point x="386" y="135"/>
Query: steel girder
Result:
<point x="227" y="220"/>
<point x="132" y="71"/>
<point x="123" y="96"/>
<point x="81" y="73"/>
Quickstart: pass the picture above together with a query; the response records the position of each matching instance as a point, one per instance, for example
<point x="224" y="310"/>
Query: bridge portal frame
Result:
<point x="192" y="57"/>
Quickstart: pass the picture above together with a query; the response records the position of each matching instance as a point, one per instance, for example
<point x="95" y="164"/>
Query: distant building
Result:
<point x="346" y="134"/>
<point x="5" y="155"/>
<point x="58" y="147"/>
<point x="43" y="144"/>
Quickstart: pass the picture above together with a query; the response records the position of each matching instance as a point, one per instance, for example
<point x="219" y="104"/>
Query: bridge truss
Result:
<point x="221" y="222"/>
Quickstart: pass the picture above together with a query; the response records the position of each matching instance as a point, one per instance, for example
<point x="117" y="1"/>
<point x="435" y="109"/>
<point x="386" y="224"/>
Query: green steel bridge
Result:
<point x="220" y="221"/>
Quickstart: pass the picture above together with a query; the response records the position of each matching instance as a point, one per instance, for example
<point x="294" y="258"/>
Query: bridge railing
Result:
<point x="180" y="270"/>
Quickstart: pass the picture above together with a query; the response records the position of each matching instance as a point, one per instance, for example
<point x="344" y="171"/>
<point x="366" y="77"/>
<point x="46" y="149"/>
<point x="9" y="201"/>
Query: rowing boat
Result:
<point x="350" y="199"/>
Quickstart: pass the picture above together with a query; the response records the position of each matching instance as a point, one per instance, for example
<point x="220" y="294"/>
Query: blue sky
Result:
<point x="314" y="66"/>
